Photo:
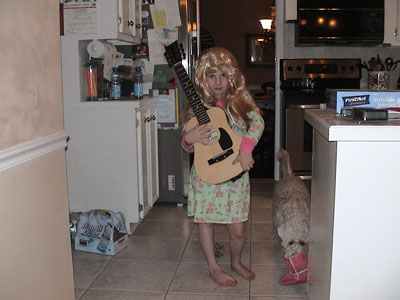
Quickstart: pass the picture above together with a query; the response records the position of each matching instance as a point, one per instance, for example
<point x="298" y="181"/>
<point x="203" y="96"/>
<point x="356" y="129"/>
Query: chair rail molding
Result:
<point x="26" y="151"/>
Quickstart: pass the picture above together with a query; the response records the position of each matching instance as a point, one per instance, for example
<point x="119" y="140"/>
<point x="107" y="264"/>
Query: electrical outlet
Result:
<point x="171" y="182"/>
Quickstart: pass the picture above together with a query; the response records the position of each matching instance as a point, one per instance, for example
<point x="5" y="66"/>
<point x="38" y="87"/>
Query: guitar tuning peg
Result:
<point x="182" y="51"/>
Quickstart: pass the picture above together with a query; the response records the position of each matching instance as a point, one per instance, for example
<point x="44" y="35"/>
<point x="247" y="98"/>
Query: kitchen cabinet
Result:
<point x="112" y="156"/>
<point x="148" y="157"/>
<point x="116" y="20"/>
<point x="354" y="244"/>
<point x="392" y="22"/>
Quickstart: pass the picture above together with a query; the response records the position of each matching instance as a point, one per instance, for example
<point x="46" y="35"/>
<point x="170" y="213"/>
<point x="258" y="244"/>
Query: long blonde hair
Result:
<point x="237" y="100"/>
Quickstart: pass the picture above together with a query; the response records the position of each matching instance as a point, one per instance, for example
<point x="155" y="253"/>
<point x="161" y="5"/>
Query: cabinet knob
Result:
<point x="138" y="26"/>
<point x="153" y="118"/>
<point x="130" y="23"/>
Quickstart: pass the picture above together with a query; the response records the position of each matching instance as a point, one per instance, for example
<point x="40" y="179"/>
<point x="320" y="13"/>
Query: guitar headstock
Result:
<point x="174" y="53"/>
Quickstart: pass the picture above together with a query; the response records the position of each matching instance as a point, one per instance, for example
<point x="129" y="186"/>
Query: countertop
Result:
<point x="336" y="128"/>
<point x="124" y="103"/>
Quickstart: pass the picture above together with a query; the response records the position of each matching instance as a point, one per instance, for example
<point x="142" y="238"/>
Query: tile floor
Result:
<point x="163" y="260"/>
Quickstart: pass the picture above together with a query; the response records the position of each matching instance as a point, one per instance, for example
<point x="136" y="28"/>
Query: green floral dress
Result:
<point x="227" y="202"/>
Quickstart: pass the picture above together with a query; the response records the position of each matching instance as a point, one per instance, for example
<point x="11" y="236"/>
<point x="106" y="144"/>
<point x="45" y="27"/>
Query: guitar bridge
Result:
<point x="220" y="157"/>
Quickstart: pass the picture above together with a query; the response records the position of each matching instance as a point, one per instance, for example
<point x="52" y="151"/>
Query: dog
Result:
<point x="291" y="210"/>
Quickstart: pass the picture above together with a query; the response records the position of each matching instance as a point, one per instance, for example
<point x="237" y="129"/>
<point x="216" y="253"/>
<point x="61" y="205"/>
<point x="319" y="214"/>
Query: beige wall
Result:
<point x="30" y="84"/>
<point x="35" y="256"/>
<point x="36" y="260"/>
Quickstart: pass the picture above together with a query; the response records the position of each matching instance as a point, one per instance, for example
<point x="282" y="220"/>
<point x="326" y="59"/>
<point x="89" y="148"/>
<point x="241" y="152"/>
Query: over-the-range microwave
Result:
<point x="339" y="22"/>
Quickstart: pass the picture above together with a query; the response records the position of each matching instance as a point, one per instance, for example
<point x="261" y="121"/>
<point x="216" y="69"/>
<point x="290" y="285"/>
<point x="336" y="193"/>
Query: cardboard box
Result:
<point x="362" y="98"/>
<point x="118" y="242"/>
<point x="101" y="231"/>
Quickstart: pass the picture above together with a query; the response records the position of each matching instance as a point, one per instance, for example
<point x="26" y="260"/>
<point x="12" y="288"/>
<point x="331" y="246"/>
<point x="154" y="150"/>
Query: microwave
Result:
<point x="339" y="22"/>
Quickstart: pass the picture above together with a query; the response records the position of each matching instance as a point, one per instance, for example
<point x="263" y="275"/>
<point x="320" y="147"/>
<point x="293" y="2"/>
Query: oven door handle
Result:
<point x="303" y="106"/>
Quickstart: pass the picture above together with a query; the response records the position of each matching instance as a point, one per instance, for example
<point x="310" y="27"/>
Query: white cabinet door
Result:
<point x="142" y="150"/>
<point x="135" y="17"/>
<point x="152" y="138"/>
<point x="147" y="158"/>
<point x="392" y="22"/>
<point x="124" y="17"/>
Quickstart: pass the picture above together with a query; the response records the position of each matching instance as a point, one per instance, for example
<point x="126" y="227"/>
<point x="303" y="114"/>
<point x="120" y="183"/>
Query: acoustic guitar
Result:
<point x="213" y="160"/>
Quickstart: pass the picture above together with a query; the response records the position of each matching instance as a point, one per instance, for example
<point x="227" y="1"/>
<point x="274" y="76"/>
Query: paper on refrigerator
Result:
<point x="165" y="13"/>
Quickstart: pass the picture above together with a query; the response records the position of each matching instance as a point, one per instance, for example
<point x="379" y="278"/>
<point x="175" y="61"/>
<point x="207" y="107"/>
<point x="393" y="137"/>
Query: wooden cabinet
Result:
<point x="392" y="22"/>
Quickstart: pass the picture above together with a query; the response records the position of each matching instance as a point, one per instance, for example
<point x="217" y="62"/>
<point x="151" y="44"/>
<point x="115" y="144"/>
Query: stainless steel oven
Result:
<point x="303" y="85"/>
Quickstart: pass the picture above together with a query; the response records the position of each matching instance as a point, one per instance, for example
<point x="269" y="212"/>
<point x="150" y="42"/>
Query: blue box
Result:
<point x="337" y="99"/>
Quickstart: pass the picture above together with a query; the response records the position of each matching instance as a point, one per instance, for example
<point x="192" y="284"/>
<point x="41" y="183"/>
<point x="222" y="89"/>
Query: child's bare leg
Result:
<point x="206" y="235"/>
<point x="236" y="243"/>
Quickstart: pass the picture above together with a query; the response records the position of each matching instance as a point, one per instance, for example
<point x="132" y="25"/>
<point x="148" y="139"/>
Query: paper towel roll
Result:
<point x="96" y="49"/>
<point x="100" y="49"/>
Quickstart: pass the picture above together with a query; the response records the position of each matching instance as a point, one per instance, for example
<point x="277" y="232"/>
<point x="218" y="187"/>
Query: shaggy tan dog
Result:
<point x="291" y="210"/>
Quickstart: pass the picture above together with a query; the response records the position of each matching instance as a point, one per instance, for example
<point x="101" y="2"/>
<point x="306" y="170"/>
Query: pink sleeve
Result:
<point x="247" y="145"/>
<point x="184" y="145"/>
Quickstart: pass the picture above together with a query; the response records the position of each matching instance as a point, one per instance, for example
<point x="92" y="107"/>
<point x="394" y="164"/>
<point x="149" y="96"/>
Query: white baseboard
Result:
<point x="24" y="152"/>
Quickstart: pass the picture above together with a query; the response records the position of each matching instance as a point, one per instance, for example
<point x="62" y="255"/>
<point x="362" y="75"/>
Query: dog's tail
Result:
<point x="284" y="158"/>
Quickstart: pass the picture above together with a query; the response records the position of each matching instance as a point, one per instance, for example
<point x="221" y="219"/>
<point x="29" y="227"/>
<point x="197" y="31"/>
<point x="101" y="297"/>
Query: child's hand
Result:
<point x="245" y="160"/>
<point x="197" y="134"/>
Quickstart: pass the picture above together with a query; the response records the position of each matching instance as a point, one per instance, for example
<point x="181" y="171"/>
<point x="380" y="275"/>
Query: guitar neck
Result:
<point x="191" y="94"/>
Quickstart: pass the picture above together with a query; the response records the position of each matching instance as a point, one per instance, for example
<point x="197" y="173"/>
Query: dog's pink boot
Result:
<point x="298" y="269"/>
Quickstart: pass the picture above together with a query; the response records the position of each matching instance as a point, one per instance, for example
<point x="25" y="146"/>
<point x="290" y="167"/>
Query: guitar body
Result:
<point x="213" y="162"/>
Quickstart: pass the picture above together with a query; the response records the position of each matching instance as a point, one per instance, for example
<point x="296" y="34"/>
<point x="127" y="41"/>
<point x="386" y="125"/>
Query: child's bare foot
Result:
<point x="222" y="278"/>
<point x="243" y="271"/>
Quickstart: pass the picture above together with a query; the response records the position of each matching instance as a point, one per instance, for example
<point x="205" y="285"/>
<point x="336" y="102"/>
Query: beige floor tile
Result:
<point x="121" y="295"/>
<point x="261" y="215"/>
<point x="193" y="253"/>
<point x="261" y="200"/>
<point x="86" y="270"/>
<point x="262" y="186"/>
<point x="262" y="232"/>
<point x="168" y="212"/>
<point x="266" y="282"/>
<point x="279" y="298"/>
<point x="79" y="293"/>
<point x="265" y="253"/>
<point x="193" y="278"/>
<point x="174" y="296"/>
<point x="84" y="254"/>
<point x="131" y="275"/>
<point x="162" y="229"/>
<point x="152" y="249"/>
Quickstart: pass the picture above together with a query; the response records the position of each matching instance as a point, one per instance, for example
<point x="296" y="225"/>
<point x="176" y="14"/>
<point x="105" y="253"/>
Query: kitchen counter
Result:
<point x="336" y="128"/>
<point x="354" y="240"/>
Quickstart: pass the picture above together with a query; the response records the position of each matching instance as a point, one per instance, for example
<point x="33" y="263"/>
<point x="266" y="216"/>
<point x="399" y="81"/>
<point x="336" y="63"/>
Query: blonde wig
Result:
<point x="236" y="100"/>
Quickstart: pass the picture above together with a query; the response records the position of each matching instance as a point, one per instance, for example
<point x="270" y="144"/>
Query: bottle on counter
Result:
<point x="91" y="91"/>
<point x="138" y="84"/>
<point x="115" y="85"/>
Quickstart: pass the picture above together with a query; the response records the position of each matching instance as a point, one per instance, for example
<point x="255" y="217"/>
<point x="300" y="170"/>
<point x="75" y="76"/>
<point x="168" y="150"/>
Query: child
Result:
<point x="219" y="82"/>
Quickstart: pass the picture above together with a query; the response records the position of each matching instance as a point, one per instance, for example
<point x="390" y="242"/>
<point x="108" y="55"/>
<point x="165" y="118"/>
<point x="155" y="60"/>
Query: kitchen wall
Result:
<point x="30" y="81"/>
<point x="36" y="260"/>
<point x="229" y="21"/>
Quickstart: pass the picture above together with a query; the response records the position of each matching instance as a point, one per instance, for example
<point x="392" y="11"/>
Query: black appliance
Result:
<point x="303" y="84"/>
<point x="340" y="22"/>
